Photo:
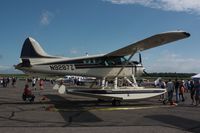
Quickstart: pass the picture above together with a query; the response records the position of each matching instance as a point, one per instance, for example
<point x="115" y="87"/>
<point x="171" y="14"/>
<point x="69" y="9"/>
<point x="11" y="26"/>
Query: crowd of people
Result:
<point x="5" y="81"/>
<point x="175" y="89"/>
<point x="179" y="87"/>
<point x="28" y="90"/>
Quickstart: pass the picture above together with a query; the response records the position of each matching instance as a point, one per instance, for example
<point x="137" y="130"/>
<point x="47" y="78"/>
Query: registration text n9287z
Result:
<point x="69" y="67"/>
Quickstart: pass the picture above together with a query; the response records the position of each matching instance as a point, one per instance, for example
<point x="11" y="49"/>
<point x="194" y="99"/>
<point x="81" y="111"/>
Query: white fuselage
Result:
<point x="62" y="69"/>
<point x="66" y="66"/>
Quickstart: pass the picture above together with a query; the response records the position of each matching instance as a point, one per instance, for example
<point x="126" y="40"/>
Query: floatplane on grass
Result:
<point x="112" y="66"/>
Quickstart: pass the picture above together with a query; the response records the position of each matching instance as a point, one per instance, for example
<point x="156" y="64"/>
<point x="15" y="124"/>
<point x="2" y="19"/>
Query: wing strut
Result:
<point x="127" y="61"/>
<point x="125" y="64"/>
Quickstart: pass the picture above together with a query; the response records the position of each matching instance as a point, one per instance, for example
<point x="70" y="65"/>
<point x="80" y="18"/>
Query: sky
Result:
<point x="72" y="28"/>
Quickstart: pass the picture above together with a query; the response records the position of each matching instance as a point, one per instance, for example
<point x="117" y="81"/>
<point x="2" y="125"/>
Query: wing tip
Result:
<point x="186" y="34"/>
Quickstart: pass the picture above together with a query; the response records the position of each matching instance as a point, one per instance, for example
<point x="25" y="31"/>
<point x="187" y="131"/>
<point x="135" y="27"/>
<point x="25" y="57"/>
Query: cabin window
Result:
<point x="99" y="61"/>
<point x="115" y="60"/>
<point x="92" y="61"/>
<point x="89" y="61"/>
<point x="107" y="61"/>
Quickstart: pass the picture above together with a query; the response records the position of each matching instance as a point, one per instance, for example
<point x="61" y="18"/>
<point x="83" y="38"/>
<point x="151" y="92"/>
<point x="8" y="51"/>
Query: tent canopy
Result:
<point x="196" y="76"/>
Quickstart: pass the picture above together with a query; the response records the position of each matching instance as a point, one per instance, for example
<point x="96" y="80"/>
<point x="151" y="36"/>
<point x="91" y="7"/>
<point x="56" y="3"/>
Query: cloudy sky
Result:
<point x="74" y="27"/>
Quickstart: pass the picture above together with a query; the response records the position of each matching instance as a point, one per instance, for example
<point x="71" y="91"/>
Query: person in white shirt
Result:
<point x="34" y="82"/>
<point x="170" y="90"/>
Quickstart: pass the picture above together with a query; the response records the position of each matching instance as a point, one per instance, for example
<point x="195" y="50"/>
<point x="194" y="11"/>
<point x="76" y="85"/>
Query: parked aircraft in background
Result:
<point x="76" y="80"/>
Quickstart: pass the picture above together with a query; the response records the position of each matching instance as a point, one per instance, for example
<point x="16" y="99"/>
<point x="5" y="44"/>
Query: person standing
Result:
<point x="41" y="84"/>
<point x="34" y="82"/>
<point x="8" y="80"/>
<point x="170" y="90"/>
<point x="186" y="85"/>
<point x="161" y="84"/>
<point x="176" y="86"/>
<point x="181" y="91"/>
<point x="197" y="90"/>
<point x="51" y="80"/>
<point x="4" y="82"/>
<point x="13" y="81"/>
<point x="192" y="91"/>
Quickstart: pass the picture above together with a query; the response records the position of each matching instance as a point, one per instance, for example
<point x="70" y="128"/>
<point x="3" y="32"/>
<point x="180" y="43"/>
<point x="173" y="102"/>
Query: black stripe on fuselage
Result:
<point x="99" y="61"/>
<point x="85" y="66"/>
<point x="102" y="66"/>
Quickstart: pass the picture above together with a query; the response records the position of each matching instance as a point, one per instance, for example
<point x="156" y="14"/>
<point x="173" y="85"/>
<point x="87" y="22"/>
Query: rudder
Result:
<point x="32" y="49"/>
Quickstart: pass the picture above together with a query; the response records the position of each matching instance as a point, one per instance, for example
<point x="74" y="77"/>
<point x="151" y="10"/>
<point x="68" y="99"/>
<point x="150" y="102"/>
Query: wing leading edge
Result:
<point x="151" y="42"/>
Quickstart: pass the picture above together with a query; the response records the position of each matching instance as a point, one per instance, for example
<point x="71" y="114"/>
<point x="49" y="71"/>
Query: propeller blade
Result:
<point x="140" y="58"/>
<point x="146" y="73"/>
<point x="135" y="70"/>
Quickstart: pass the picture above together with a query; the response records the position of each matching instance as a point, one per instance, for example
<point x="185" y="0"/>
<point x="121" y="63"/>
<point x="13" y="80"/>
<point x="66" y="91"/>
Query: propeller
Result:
<point x="146" y="73"/>
<point x="140" y="61"/>
<point x="140" y="58"/>
<point x="135" y="63"/>
<point x="135" y="70"/>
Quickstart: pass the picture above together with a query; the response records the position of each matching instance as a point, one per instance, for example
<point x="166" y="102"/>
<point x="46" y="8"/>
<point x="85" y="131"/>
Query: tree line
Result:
<point x="169" y="75"/>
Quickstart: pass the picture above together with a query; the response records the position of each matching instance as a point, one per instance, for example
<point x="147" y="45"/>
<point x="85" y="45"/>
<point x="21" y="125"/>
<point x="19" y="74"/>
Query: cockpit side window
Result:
<point x="107" y="61"/>
<point x="115" y="60"/>
<point x="89" y="61"/>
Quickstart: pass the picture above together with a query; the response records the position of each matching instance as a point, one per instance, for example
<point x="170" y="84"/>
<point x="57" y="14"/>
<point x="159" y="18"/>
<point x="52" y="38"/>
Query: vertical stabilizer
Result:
<point x="32" y="49"/>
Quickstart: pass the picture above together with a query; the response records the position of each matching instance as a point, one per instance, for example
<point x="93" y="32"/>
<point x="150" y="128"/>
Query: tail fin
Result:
<point x="32" y="49"/>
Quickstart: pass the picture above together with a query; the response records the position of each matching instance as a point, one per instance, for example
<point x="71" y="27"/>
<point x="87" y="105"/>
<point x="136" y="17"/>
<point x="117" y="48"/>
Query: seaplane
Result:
<point x="113" y="66"/>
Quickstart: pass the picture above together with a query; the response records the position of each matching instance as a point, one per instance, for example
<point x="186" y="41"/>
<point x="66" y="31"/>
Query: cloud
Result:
<point x="190" y="6"/>
<point x="170" y="62"/>
<point x="46" y="17"/>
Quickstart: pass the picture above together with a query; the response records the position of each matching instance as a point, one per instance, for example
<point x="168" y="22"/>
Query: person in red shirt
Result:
<point x="41" y="84"/>
<point x="28" y="93"/>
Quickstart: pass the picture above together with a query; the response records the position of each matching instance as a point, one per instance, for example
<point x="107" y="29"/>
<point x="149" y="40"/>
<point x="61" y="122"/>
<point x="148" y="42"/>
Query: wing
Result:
<point x="151" y="42"/>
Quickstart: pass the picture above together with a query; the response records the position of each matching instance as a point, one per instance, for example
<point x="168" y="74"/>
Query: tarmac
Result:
<point x="52" y="112"/>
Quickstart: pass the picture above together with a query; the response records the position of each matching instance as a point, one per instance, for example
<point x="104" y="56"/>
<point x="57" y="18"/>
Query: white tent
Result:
<point x="196" y="76"/>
